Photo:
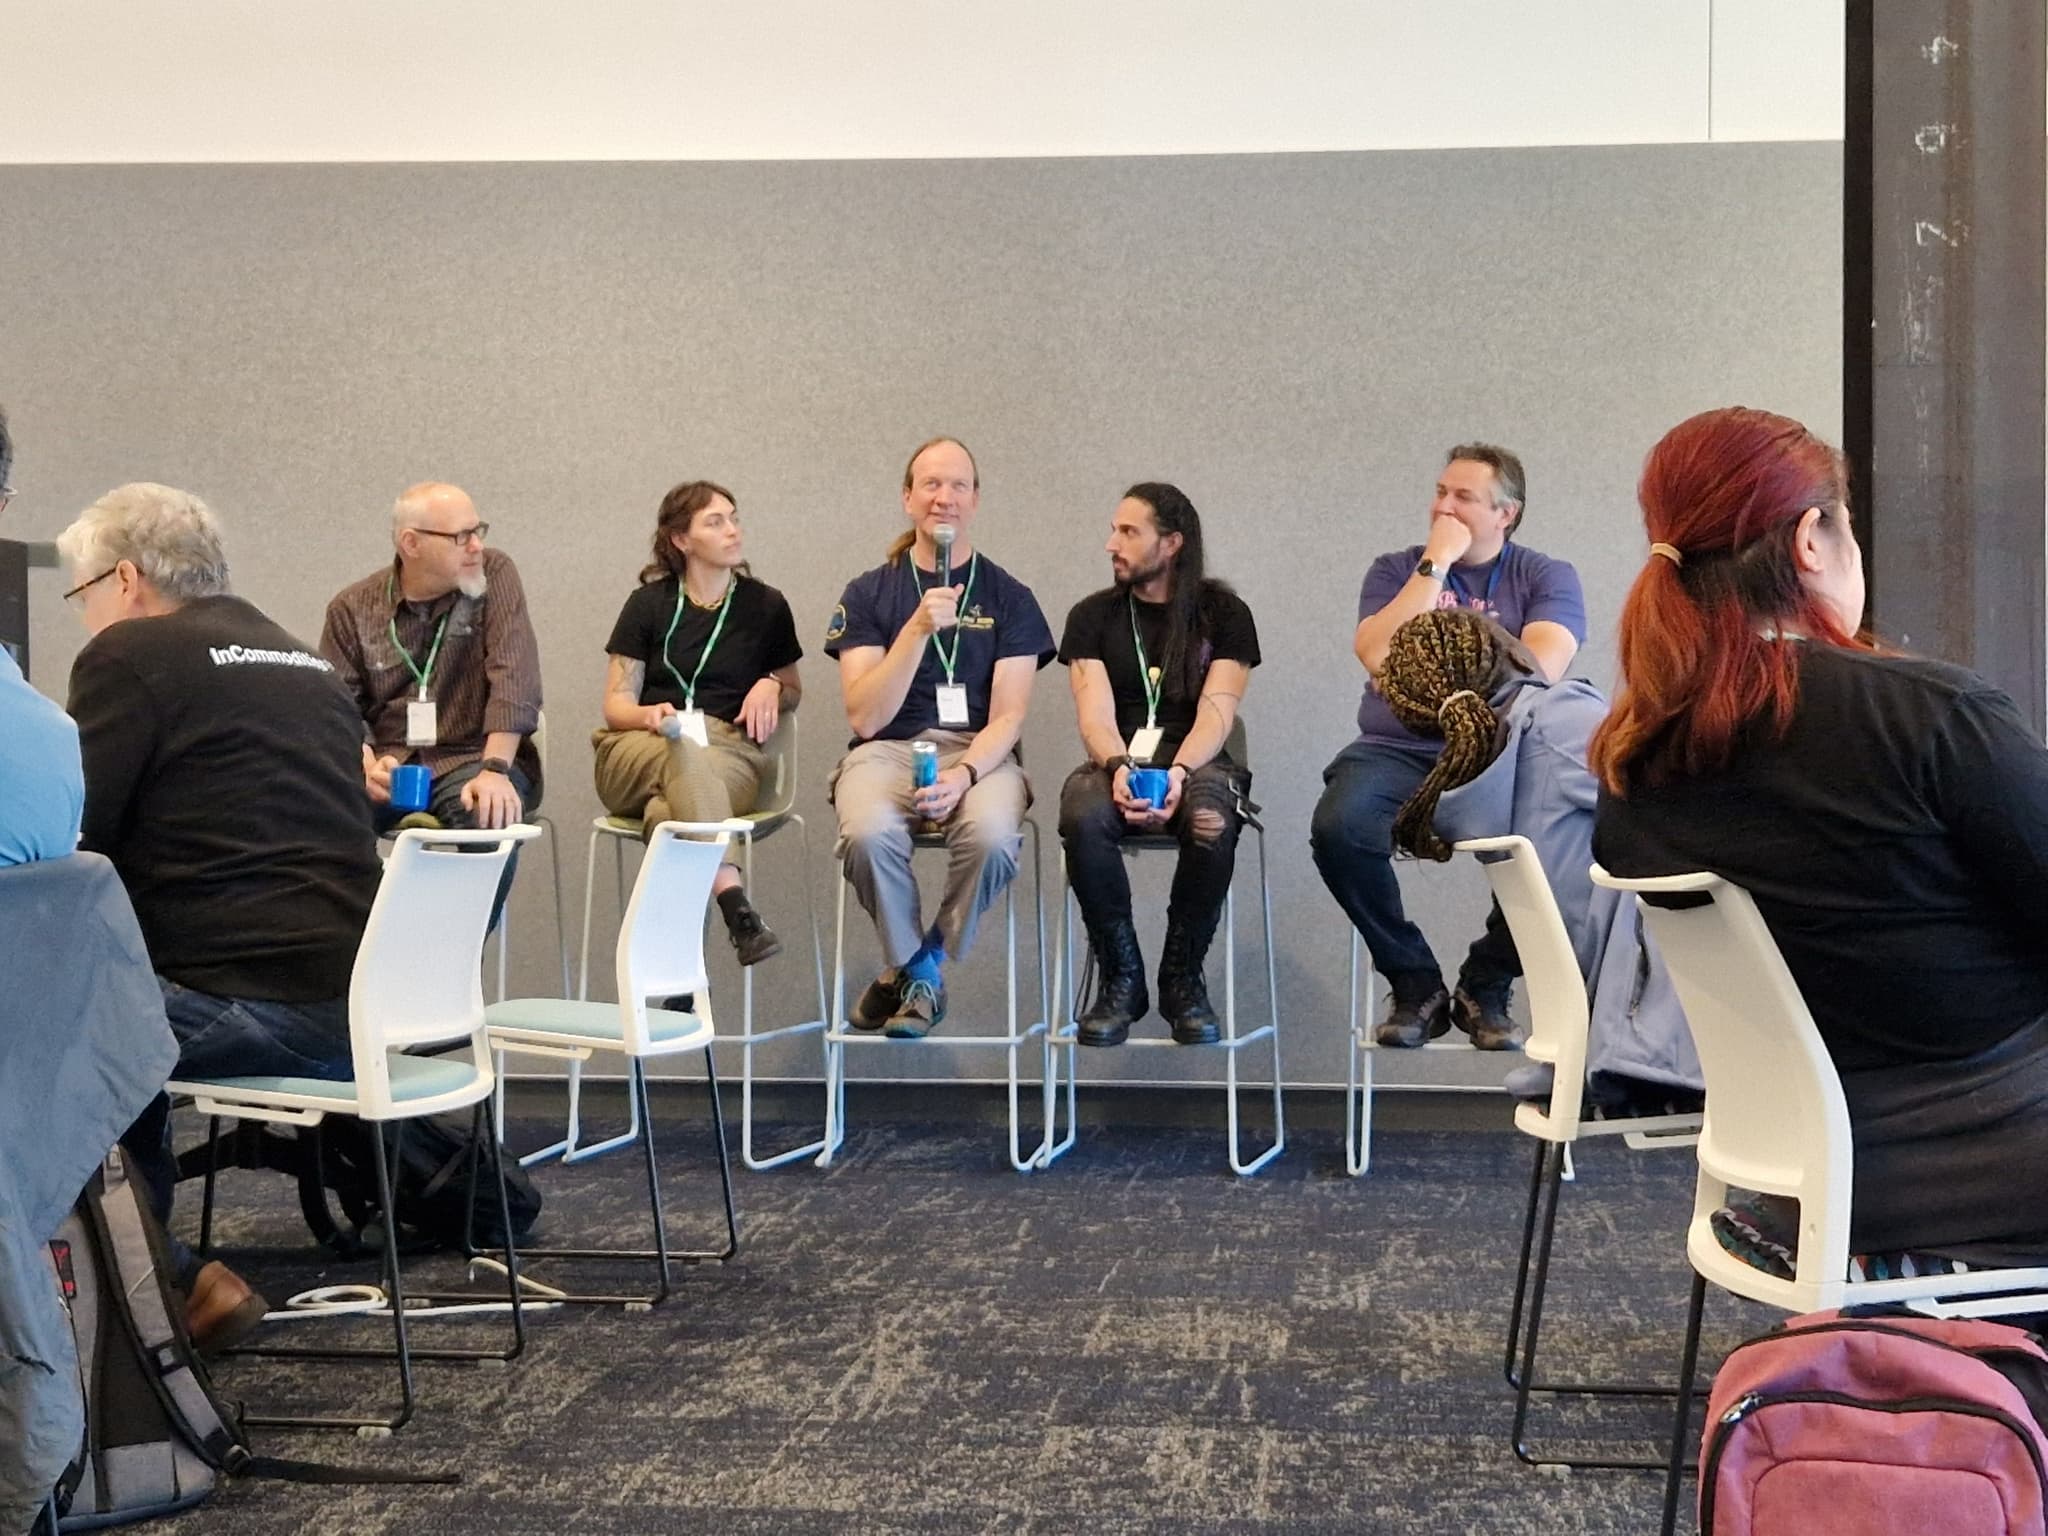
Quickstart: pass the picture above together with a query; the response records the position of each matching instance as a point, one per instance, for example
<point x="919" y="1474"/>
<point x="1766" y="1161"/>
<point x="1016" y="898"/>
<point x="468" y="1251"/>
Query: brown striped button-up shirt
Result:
<point x="486" y="678"/>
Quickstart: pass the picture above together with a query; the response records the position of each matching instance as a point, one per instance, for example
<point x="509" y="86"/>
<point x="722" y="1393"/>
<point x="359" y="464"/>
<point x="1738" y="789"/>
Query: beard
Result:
<point x="1137" y="576"/>
<point x="472" y="586"/>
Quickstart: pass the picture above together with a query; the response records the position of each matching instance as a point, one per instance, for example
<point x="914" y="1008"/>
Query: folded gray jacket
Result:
<point x="1539" y="787"/>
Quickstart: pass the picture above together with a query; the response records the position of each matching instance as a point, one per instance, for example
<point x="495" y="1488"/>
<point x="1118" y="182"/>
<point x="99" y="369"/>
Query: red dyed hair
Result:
<point x="1703" y="647"/>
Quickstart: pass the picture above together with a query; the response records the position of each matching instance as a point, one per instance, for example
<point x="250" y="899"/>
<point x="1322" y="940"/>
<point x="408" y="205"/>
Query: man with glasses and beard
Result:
<point x="439" y="654"/>
<point x="1158" y="662"/>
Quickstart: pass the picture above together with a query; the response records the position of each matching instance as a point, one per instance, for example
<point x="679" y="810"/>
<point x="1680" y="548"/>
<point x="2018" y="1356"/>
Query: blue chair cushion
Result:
<point x="584" y="1021"/>
<point x="412" y="1077"/>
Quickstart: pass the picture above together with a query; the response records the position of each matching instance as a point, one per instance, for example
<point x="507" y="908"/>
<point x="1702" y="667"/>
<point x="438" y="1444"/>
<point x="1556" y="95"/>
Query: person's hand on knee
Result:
<point x="492" y="800"/>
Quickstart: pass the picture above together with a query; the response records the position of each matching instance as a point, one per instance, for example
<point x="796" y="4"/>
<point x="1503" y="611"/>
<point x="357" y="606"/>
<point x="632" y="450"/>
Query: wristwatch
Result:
<point x="495" y="765"/>
<point x="1429" y="568"/>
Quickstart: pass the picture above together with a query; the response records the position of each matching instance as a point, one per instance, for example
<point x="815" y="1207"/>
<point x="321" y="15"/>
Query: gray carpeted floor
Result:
<point x="921" y="1340"/>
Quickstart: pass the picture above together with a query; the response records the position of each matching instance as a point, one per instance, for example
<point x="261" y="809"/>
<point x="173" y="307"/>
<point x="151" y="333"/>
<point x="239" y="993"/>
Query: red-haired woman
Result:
<point x="1889" y="814"/>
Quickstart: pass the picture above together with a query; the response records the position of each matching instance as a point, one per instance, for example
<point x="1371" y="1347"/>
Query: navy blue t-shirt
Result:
<point x="999" y="618"/>
<point x="1518" y="587"/>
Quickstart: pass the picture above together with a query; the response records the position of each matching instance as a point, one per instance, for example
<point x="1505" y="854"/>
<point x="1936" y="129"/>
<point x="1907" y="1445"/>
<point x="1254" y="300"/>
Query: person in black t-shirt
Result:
<point x="1889" y="815"/>
<point x="223" y="778"/>
<point x="1158" y="664"/>
<point x="702" y="663"/>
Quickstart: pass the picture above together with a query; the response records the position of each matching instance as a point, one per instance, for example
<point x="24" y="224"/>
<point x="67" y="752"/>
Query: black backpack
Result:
<point x="158" y="1437"/>
<point x="429" y="1182"/>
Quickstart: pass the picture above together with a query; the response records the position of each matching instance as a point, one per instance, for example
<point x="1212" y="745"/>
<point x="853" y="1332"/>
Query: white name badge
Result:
<point x="420" y="729"/>
<point x="692" y="723"/>
<point x="1145" y="742"/>
<point x="952" y="703"/>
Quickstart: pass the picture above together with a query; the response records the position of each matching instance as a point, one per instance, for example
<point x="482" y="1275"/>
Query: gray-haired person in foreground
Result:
<point x="223" y="778"/>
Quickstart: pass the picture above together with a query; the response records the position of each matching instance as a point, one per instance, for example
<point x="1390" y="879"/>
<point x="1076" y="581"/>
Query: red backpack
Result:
<point x="1878" y="1423"/>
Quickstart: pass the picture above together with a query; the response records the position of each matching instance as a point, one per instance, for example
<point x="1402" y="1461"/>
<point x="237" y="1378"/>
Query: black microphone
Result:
<point x="942" y="543"/>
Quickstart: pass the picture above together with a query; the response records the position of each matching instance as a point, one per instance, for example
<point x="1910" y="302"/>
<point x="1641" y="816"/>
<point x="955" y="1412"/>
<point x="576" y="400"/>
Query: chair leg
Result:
<point x="1542" y="1162"/>
<point x="1688" y="1366"/>
<point x="639" y="1075"/>
<point x="1549" y="1181"/>
<point x="212" y="1173"/>
<point x="750" y="1041"/>
<point x="394" y="1283"/>
<point x="662" y="1253"/>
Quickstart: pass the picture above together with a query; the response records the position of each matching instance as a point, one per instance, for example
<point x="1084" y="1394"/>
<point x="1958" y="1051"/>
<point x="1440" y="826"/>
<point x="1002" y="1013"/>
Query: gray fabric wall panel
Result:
<point x="1293" y="339"/>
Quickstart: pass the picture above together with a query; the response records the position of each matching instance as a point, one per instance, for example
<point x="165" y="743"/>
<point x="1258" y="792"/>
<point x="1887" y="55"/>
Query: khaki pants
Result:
<point x="649" y="776"/>
<point x="871" y="791"/>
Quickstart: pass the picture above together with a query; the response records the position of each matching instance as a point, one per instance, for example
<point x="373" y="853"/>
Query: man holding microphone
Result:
<point x="936" y="646"/>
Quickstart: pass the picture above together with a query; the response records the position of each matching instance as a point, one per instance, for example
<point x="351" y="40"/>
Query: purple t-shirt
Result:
<point x="1517" y="587"/>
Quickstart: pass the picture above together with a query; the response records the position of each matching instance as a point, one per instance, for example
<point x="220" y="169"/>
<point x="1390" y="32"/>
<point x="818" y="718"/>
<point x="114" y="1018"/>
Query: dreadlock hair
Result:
<point x="1172" y="512"/>
<point x="678" y="508"/>
<point x="1442" y="668"/>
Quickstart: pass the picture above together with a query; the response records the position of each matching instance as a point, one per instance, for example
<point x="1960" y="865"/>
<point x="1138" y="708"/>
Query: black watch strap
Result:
<point x="495" y="765"/>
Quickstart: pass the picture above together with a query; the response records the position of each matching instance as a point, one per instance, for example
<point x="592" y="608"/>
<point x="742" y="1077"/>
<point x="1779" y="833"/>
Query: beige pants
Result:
<point x="649" y="776"/>
<point x="871" y="791"/>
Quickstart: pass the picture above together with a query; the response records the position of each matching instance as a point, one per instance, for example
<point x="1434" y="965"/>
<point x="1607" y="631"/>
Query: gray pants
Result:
<point x="871" y="791"/>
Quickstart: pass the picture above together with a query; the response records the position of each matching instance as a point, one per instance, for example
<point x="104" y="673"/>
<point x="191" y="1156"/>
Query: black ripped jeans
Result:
<point x="1092" y="828"/>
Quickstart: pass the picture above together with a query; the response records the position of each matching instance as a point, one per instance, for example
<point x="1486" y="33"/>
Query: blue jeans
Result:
<point x="231" y="1037"/>
<point x="445" y="805"/>
<point x="1351" y="837"/>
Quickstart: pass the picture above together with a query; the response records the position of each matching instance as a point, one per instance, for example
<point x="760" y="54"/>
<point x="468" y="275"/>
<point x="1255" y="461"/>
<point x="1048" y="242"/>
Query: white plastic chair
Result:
<point x="417" y="982"/>
<point x="1232" y="1042"/>
<point x="1777" y="1123"/>
<point x="540" y="747"/>
<point x="776" y="810"/>
<point x="1559" y="1022"/>
<point x="660" y="953"/>
<point x="1016" y="1036"/>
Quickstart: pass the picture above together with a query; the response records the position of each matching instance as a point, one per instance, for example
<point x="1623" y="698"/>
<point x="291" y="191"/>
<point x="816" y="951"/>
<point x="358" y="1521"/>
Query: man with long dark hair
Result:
<point x="1159" y="662"/>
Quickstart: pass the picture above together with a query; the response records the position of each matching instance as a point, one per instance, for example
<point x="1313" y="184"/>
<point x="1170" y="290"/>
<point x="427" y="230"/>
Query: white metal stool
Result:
<point x="1232" y="1042"/>
<point x="776" y="810"/>
<point x="1358" y="1088"/>
<point x="1015" y="1037"/>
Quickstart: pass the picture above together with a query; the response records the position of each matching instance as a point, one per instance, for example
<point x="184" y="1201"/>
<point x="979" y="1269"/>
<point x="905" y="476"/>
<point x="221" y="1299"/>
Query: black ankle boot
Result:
<point x="1120" y="999"/>
<point x="1183" y="994"/>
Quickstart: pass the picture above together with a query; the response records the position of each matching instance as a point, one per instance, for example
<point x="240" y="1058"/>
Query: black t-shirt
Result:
<point x="999" y="618"/>
<point x="759" y="636"/>
<point x="1099" y="629"/>
<point x="224" y="778"/>
<point x="1896" y="842"/>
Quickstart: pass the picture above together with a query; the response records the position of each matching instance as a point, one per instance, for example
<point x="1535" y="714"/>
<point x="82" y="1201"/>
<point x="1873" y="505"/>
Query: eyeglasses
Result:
<point x="76" y="596"/>
<point x="477" y="531"/>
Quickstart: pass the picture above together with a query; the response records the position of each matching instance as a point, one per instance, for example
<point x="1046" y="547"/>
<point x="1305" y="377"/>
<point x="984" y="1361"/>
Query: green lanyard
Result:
<point x="973" y="565"/>
<point x="1154" y="685"/>
<point x="724" y="607"/>
<point x="419" y="676"/>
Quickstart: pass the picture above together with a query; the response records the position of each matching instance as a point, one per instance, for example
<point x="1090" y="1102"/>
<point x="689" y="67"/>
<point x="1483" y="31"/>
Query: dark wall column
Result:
<point x="1943" y="383"/>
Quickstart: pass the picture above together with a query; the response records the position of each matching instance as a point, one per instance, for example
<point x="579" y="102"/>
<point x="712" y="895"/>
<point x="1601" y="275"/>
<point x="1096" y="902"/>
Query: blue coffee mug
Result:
<point x="412" y="786"/>
<point x="1151" y="785"/>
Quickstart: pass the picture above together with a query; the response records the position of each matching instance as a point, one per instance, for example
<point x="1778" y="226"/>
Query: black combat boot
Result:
<point x="1120" y="999"/>
<point x="1183" y="994"/>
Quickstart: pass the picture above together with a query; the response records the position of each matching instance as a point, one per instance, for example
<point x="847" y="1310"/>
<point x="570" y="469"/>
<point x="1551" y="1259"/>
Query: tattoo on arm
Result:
<point x="626" y="676"/>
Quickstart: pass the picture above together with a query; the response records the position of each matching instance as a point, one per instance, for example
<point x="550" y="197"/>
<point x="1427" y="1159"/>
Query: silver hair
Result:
<point x="169" y="535"/>
<point x="1509" y="481"/>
